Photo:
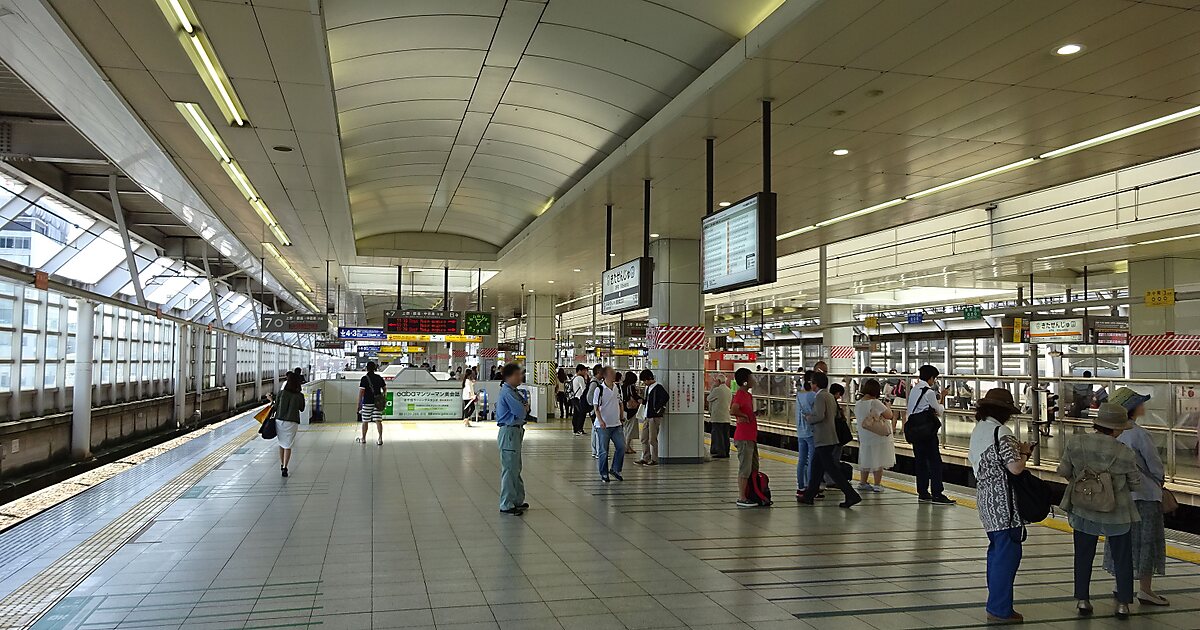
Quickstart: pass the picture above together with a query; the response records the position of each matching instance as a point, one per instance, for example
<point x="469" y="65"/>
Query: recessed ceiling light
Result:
<point x="1068" y="49"/>
<point x="612" y="255"/>
<point x="282" y="148"/>
<point x="724" y="204"/>
<point x="653" y="235"/>
<point x="549" y="282"/>
<point x="531" y="290"/>
<point x="576" y="270"/>
<point x="840" y="152"/>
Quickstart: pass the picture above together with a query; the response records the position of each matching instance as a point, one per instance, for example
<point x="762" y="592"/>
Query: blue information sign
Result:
<point x="916" y="318"/>
<point x="358" y="334"/>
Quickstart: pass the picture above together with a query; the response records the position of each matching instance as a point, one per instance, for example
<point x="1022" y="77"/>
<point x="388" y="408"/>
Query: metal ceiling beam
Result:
<point x="130" y="260"/>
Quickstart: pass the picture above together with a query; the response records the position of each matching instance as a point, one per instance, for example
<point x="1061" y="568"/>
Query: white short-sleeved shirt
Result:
<point x="607" y="402"/>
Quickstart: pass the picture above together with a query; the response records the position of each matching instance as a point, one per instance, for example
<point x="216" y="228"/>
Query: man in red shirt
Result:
<point x="745" y="435"/>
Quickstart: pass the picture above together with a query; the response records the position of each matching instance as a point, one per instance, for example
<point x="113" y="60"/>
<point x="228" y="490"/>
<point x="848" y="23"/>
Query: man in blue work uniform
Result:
<point x="511" y="412"/>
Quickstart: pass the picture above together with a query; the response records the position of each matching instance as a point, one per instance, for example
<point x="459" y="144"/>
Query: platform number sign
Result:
<point x="1160" y="297"/>
<point x="972" y="311"/>
<point x="916" y="318"/>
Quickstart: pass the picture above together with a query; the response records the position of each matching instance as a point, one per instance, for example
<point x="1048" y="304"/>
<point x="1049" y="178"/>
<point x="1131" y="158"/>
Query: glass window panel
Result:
<point x="6" y="311"/>
<point x="28" y="379"/>
<point x="5" y="377"/>
<point x="72" y="319"/>
<point x="69" y="375"/>
<point x="31" y="311"/>
<point x="41" y="231"/>
<point x="106" y="370"/>
<point x="52" y="313"/>
<point x="147" y="275"/>
<point x="96" y="259"/>
<point x="106" y="352"/>
<point x="6" y="340"/>
<point x="51" y="347"/>
<point x="29" y="349"/>
<point x="50" y="379"/>
<point x="71" y="341"/>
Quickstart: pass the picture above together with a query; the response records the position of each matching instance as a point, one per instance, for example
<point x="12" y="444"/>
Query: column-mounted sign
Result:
<point x="1108" y="331"/>
<point x="972" y="312"/>
<point x="1056" y="330"/>
<point x="634" y="328"/>
<point x="348" y="333"/>
<point x="626" y="287"/>
<point x="293" y="323"/>
<point x="1160" y="297"/>
<point x="329" y="344"/>
<point x="429" y="322"/>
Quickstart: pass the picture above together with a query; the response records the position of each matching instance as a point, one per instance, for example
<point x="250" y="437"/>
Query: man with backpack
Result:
<point x="579" y="404"/>
<point x="589" y="396"/>
<point x="656" y="408"/>
<point x="372" y="392"/>
<point x="924" y="420"/>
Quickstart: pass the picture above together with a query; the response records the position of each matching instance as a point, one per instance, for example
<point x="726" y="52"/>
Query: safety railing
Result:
<point x="1172" y="413"/>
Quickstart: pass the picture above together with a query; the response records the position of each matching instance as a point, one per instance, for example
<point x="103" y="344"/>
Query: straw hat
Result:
<point x="1113" y="416"/>
<point x="998" y="398"/>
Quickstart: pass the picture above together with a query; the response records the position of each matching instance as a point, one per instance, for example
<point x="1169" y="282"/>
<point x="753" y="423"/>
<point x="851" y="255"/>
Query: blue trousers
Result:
<point x="1003" y="559"/>
<point x="1121" y="548"/>
<point x="617" y="436"/>
<point x="806" y="450"/>
<point x="512" y="489"/>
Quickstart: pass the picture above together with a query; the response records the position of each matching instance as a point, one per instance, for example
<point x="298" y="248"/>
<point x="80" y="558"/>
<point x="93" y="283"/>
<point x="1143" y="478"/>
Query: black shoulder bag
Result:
<point x="922" y="425"/>
<point x="1028" y="492"/>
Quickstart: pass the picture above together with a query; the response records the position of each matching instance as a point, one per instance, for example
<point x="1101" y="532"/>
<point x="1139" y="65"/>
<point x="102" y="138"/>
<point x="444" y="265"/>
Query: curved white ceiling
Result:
<point x="470" y="117"/>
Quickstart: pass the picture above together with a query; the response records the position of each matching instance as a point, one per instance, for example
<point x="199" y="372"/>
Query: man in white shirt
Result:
<point x="921" y="431"/>
<point x="579" y="385"/>
<point x="606" y="400"/>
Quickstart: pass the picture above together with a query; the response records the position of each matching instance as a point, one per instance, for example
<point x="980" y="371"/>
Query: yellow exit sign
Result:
<point x="1160" y="297"/>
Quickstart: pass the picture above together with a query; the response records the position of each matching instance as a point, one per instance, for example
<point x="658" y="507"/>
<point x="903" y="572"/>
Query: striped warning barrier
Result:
<point x="1164" y="345"/>
<point x="841" y="352"/>
<point x="489" y="353"/>
<point x="675" y="338"/>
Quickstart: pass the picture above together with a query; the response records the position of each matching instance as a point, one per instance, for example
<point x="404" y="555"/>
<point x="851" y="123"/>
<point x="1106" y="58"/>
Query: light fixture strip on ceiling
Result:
<point x="1115" y="247"/>
<point x="1078" y="146"/>
<point x="275" y="253"/>
<point x="195" y="42"/>
<point x="208" y="135"/>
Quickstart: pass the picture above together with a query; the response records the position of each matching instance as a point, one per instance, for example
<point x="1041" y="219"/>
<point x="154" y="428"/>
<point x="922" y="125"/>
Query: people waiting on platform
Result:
<point x="631" y="402"/>
<point x="1148" y="536"/>
<point x="656" y="408"/>
<point x="371" y="392"/>
<point x="876" y="451"/>
<point x="995" y="454"/>
<point x="822" y="421"/>
<point x="561" y="385"/>
<point x="469" y="396"/>
<point x="606" y="400"/>
<point x="1101" y="474"/>
<point x="745" y="434"/>
<point x="597" y="376"/>
<point x="925" y="411"/>
<point x="511" y="412"/>
<point x="579" y="385"/>
<point x="804" y="436"/>
<point x="719" y="399"/>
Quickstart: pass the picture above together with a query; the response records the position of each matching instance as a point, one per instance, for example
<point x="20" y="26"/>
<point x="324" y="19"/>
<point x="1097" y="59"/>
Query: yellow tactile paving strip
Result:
<point x="27" y="603"/>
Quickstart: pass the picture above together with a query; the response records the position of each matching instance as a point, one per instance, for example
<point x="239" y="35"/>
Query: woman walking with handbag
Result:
<point x="876" y="449"/>
<point x="1148" y="535"/>
<point x="994" y="455"/>
<point x="632" y="403"/>
<point x="287" y="419"/>
<point x="1100" y="473"/>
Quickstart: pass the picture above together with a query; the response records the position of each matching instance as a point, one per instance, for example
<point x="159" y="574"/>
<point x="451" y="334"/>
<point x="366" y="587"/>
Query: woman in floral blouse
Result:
<point x="994" y="454"/>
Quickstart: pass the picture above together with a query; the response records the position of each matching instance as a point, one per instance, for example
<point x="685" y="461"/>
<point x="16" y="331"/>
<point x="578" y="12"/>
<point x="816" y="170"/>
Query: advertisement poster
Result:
<point x="423" y="404"/>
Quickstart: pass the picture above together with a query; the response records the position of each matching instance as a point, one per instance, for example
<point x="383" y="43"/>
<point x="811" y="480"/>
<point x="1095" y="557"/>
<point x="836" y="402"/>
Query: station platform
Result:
<point x="408" y="535"/>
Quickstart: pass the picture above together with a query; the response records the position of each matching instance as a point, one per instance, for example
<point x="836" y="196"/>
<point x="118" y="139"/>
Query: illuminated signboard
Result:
<point x="426" y="322"/>
<point x="293" y="323"/>
<point x="737" y="245"/>
<point x="1056" y="330"/>
<point x="626" y="287"/>
<point x="348" y="333"/>
<point x="423" y="404"/>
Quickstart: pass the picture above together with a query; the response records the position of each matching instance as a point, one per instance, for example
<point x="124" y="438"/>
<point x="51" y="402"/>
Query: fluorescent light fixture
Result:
<point x="1169" y="238"/>
<point x="1122" y="133"/>
<point x="796" y="232"/>
<point x="858" y="213"/>
<point x="182" y="18"/>
<point x="184" y="21"/>
<point x="263" y="211"/>
<point x="1068" y="49"/>
<point x="280" y="235"/>
<point x="235" y="173"/>
<point x="307" y="302"/>
<point x="203" y="128"/>
<point x="274" y="251"/>
<point x="840" y="152"/>
<point x="217" y="80"/>
<point x="973" y="178"/>
<point x="1086" y="251"/>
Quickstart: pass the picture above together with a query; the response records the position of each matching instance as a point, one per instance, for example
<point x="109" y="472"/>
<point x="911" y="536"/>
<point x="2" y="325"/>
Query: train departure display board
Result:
<point x="737" y="245"/>
<point x="626" y="287"/>
<point x="423" y="322"/>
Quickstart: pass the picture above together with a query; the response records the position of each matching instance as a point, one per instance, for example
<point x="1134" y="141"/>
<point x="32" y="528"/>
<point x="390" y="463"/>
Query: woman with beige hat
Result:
<point x="995" y="454"/>
<point x="1148" y="535"/>
<point x="1100" y="473"/>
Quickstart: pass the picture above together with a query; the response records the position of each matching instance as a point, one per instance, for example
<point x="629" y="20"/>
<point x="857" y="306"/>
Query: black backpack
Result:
<point x="1030" y="493"/>
<point x="585" y="403"/>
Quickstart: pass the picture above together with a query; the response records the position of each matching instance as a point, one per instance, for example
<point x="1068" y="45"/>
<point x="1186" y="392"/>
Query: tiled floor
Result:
<point x="407" y="535"/>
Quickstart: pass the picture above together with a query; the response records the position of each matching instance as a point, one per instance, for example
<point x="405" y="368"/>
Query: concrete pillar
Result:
<point x="1182" y="319"/>
<point x="830" y="313"/>
<point x="258" y="369"/>
<point x="487" y="355"/>
<point x="275" y="371"/>
<point x="81" y="402"/>
<point x="183" y="343"/>
<point x="231" y="375"/>
<point x="677" y="302"/>
<point x="199" y="336"/>
<point x="539" y="346"/>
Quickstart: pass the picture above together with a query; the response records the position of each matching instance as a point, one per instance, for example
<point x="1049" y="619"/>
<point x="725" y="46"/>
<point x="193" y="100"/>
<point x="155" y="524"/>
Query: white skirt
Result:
<point x="286" y="433"/>
<point x="875" y="452"/>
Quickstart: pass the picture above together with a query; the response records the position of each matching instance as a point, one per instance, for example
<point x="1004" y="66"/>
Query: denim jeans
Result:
<point x="1122" y="553"/>
<point x="805" y="449"/>
<point x="927" y="460"/>
<point x="617" y="436"/>
<point x="1003" y="559"/>
<point x="512" y="489"/>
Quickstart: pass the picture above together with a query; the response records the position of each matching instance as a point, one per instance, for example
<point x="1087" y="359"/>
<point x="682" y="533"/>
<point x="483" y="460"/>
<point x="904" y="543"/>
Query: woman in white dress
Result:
<point x="875" y="452"/>
<point x="287" y="419"/>
<point x="469" y="396"/>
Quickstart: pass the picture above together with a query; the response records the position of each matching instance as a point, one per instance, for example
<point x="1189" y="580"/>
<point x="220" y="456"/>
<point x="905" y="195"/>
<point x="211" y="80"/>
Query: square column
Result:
<point x="1181" y="319"/>
<point x="539" y="346"/>
<point x="839" y="361"/>
<point x="488" y="355"/>
<point x="677" y="302"/>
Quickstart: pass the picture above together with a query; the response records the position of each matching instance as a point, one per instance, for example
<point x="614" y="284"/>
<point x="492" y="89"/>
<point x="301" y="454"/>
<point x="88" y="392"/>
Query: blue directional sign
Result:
<point x="358" y="334"/>
<point x="916" y="318"/>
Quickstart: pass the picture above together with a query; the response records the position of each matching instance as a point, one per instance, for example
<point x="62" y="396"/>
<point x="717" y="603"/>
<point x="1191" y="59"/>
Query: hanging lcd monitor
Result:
<point x="737" y="245"/>
<point x="626" y="287"/>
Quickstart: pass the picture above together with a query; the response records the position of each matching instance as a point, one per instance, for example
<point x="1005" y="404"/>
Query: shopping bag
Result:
<point x="263" y="413"/>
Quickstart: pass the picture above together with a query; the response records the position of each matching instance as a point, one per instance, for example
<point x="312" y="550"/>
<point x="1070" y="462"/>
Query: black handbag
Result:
<point x="1030" y="494"/>
<point x="268" y="430"/>
<point x="844" y="434"/>
<point x="921" y="426"/>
